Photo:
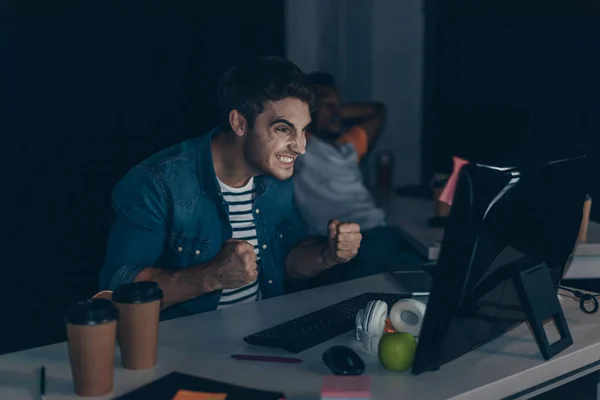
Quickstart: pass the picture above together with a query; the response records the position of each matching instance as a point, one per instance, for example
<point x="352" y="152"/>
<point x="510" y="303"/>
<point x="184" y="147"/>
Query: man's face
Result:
<point x="327" y="111"/>
<point x="278" y="137"/>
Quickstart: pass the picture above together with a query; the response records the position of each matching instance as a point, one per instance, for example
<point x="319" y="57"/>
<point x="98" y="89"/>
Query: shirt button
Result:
<point x="280" y="236"/>
<point x="197" y="252"/>
<point x="270" y="282"/>
<point x="257" y="211"/>
<point x="180" y="249"/>
<point x="264" y="246"/>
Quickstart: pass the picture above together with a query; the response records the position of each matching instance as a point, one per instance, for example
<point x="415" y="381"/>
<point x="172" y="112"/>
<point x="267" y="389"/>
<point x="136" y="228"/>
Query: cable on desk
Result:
<point x="584" y="300"/>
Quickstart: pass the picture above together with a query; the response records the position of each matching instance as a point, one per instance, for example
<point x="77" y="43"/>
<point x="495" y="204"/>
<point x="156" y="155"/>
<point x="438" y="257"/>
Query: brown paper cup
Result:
<point x="585" y="219"/>
<point x="91" y="328"/>
<point x="441" y="209"/>
<point x="139" y="313"/>
<point x="92" y="356"/>
<point x="106" y="294"/>
<point x="138" y="334"/>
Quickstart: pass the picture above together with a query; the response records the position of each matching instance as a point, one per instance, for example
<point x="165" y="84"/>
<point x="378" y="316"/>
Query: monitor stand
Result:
<point x="539" y="299"/>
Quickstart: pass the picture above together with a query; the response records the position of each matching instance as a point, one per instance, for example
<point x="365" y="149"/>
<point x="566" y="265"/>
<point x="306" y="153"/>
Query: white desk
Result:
<point x="411" y="216"/>
<point x="201" y="345"/>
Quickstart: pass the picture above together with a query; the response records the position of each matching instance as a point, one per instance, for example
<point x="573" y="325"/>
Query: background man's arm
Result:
<point x="368" y="115"/>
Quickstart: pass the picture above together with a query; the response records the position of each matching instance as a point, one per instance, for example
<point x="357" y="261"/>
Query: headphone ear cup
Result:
<point x="368" y="314"/>
<point x="375" y="316"/>
<point x="412" y="306"/>
<point x="359" y="323"/>
<point x="360" y="319"/>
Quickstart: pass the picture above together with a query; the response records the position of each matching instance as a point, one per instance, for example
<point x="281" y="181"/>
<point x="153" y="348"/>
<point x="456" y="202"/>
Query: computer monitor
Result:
<point x="510" y="234"/>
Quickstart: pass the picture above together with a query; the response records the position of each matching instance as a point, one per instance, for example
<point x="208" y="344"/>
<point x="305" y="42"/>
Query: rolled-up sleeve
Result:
<point x="137" y="236"/>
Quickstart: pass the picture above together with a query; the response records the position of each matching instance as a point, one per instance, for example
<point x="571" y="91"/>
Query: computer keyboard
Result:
<point x="319" y="326"/>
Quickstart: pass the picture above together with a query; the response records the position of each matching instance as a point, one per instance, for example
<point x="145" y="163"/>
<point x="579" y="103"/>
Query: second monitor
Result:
<point x="510" y="234"/>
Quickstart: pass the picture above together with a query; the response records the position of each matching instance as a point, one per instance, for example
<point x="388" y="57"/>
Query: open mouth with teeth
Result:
<point x="285" y="159"/>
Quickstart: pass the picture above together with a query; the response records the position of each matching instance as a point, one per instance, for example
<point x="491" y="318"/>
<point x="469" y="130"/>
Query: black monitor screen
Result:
<point x="498" y="217"/>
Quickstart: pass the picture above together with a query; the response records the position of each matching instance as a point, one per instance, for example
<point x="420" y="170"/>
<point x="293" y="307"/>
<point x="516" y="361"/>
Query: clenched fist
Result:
<point x="344" y="241"/>
<point x="234" y="266"/>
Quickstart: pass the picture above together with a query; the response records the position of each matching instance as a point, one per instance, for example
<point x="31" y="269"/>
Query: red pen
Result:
<point x="251" y="357"/>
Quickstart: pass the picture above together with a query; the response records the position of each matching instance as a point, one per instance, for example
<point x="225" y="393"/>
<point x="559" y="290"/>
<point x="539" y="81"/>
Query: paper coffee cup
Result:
<point x="139" y="310"/>
<point x="91" y="328"/>
<point x="585" y="219"/>
<point x="438" y="183"/>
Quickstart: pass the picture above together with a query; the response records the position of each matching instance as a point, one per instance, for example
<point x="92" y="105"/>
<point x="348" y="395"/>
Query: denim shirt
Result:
<point x="170" y="214"/>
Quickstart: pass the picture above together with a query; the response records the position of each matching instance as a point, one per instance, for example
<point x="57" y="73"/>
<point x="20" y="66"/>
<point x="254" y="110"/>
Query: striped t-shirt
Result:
<point x="239" y="201"/>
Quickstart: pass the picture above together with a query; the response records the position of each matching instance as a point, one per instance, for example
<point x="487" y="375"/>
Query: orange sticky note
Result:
<point x="190" y="395"/>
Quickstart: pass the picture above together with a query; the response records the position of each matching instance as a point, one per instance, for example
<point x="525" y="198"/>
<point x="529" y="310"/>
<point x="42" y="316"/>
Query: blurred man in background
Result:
<point x="328" y="182"/>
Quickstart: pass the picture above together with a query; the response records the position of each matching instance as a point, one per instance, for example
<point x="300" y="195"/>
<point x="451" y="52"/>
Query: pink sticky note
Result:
<point x="190" y="395"/>
<point x="448" y="192"/>
<point x="346" y="387"/>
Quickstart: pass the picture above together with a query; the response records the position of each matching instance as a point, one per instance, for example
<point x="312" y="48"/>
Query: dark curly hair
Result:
<point x="248" y="86"/>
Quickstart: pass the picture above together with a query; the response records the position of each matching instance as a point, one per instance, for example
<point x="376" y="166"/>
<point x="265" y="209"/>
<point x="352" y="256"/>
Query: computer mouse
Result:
<point x="342" y="360"/>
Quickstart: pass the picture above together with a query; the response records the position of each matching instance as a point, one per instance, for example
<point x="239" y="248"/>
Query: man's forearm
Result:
<point x="308" y="259"/>
<point x="179" y="285"/>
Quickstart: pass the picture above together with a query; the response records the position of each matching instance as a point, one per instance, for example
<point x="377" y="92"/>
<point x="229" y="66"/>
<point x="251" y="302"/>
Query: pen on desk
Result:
<point x="43" y="382"/>
<point x="251" y="357"/>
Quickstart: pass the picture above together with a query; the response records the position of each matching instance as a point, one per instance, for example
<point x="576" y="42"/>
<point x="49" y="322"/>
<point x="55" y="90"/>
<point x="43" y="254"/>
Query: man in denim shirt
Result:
<point x="212" y="219"/>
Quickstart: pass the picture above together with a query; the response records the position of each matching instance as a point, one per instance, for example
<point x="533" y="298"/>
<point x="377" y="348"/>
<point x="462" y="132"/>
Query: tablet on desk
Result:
<point x="417" y="283"/>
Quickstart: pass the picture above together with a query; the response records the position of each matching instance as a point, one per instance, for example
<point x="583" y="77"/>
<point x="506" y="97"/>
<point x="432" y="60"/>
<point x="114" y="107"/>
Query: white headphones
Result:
<point x="406" y="315"/>
<point x="370" y="323"/>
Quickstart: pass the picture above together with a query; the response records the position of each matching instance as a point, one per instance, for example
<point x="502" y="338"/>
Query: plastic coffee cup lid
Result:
<point x="137" y="292"/>
<point x="92" y="312"/>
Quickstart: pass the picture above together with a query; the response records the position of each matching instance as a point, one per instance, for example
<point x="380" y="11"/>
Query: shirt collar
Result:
<point x="206" y="169"/>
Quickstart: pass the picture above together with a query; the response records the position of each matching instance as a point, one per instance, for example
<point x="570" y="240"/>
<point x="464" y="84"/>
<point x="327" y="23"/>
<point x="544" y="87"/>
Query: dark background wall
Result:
<point x="88" y="89"/>
<point x="497" y="71"/>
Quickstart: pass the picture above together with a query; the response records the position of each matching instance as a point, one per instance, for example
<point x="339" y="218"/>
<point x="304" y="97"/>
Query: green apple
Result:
<point x="397" y="351"/>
